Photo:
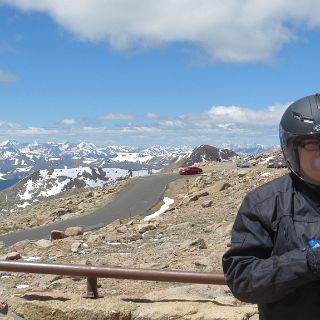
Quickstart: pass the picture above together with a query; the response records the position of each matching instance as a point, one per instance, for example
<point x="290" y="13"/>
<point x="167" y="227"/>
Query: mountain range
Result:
<point x="18" y="160"/>
<point x="41" y="170"/>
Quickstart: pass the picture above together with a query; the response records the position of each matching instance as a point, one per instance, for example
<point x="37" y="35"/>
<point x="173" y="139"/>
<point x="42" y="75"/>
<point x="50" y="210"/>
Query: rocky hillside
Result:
<point x="206" y="152"/>
<point x="200" y="155"/>
<point x="47" y="183"/>
<point x="191" y="235"/>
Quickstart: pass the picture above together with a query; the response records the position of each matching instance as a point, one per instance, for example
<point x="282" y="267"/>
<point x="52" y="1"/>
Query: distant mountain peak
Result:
<point x="205" y="153"/>
<point x="9" y="143"/>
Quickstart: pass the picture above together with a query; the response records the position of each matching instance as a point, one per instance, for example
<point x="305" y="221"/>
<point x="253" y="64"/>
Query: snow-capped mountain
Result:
<point x="205" y="153"/>
<point x="45" y="183"/>
<point x="18" y="160"/>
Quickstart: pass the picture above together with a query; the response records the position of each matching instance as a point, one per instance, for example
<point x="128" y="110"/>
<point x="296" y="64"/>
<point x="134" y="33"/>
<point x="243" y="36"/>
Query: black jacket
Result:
<point x="267" y="263"/>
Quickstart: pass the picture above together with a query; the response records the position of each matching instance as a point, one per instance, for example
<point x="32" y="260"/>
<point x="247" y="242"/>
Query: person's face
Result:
<point x="309" y="156"/>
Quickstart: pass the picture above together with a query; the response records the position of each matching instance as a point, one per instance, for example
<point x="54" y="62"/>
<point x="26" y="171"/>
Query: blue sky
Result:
<point x="146" y="72"/>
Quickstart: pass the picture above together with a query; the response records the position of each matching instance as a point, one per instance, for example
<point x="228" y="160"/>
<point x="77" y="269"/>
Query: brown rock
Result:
<point x="75" y="246"/>
<point x="90" y="194"/>
<point x="21" y="245"/>
<point x="193" y="198"/>
<point x="146" y="227"/>
<point x="242" y="173"/>
<point x="61" y="211"/>
<point x="13" y="256"/>
<point x="73" y="231"/>
<point x="57" y="234"/>
<point x="203" y="194"/>
<point x="3" y="307"/>
<point x="122" y="229"/>
<point x="43" y="243"/>
<point x="56" y="305"/>
<point x="135" y="236"/>
<point x="206" y="204"/>
<point x="189" y="302"/>
<point x="197" y="243"/>
<point x="219" y="186"/>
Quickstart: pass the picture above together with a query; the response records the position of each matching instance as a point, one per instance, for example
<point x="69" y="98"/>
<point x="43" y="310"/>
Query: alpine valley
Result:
<point x="30" y="172"/>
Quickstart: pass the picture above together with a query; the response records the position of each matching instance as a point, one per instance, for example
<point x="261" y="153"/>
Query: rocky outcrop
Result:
<point x="187" y="302"/>
<point x="205" y="153"/>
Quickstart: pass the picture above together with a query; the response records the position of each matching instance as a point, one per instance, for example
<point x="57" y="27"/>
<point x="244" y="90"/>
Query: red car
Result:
<point x="190" y="170"/>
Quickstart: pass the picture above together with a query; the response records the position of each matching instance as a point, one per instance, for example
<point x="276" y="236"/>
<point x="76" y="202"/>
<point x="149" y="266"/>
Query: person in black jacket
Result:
<point x="269" y="262"/>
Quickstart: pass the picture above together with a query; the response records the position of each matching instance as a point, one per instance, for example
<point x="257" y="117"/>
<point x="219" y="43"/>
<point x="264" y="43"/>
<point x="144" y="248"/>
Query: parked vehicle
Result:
<point x="243" y="164"/>
<point x="277" y="162"/>
<point x="190" y="170"/>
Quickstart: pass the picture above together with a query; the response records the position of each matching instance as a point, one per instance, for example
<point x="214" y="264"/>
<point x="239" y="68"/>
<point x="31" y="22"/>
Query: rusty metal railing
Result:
<point x="93" y="272"/>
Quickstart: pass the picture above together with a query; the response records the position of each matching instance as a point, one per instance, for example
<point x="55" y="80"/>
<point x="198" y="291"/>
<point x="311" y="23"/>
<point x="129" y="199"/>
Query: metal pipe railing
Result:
<point x="94" y="272"/>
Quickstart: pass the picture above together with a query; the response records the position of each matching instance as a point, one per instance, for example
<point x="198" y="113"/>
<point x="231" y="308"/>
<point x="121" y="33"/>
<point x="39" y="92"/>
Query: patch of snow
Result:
<point x="23" y="205"/>
<point x="265" y="174"/>
<point x="24" y="169"/>
<point x="31" y="258"/>
<point x="167" y="202"/>
<point x="22" y="286"/>
<point x="89" y="161"/>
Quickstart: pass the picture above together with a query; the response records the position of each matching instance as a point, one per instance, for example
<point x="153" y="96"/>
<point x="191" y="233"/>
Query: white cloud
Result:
<point x="7" y="126"/>
<point x="151" y="115"/>
<point x="116" y="116"/>
<point x="226" y="126"/>
<point x="233" y="30"/>
<point x="34" y="131"/>
<point x="173" y="123"/>
<point x="7" y="77"/>
<point x="245" y="116"/>
<point x="217" y="125"/>
<point x="68" y="121"/>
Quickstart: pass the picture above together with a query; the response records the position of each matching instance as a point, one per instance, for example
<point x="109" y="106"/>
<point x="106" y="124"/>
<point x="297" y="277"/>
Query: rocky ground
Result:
<point x="63" y="206"/>
<point x="191" y="235"/>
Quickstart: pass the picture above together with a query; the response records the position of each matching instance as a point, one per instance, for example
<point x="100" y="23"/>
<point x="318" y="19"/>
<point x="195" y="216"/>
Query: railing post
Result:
<point x="92" y="289"/>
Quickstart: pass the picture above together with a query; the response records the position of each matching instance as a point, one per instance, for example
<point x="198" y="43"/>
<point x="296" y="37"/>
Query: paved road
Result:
<point x="138" y="197"/>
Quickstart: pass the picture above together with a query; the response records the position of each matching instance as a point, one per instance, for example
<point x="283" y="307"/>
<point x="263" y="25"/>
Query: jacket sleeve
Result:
<point x="251" y="272"/>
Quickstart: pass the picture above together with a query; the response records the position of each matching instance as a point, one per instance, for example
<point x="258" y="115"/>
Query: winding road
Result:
<point x="138" y="197"/>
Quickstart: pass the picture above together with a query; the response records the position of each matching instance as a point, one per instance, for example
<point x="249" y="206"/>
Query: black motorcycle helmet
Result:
<point x="301" y="120"/>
